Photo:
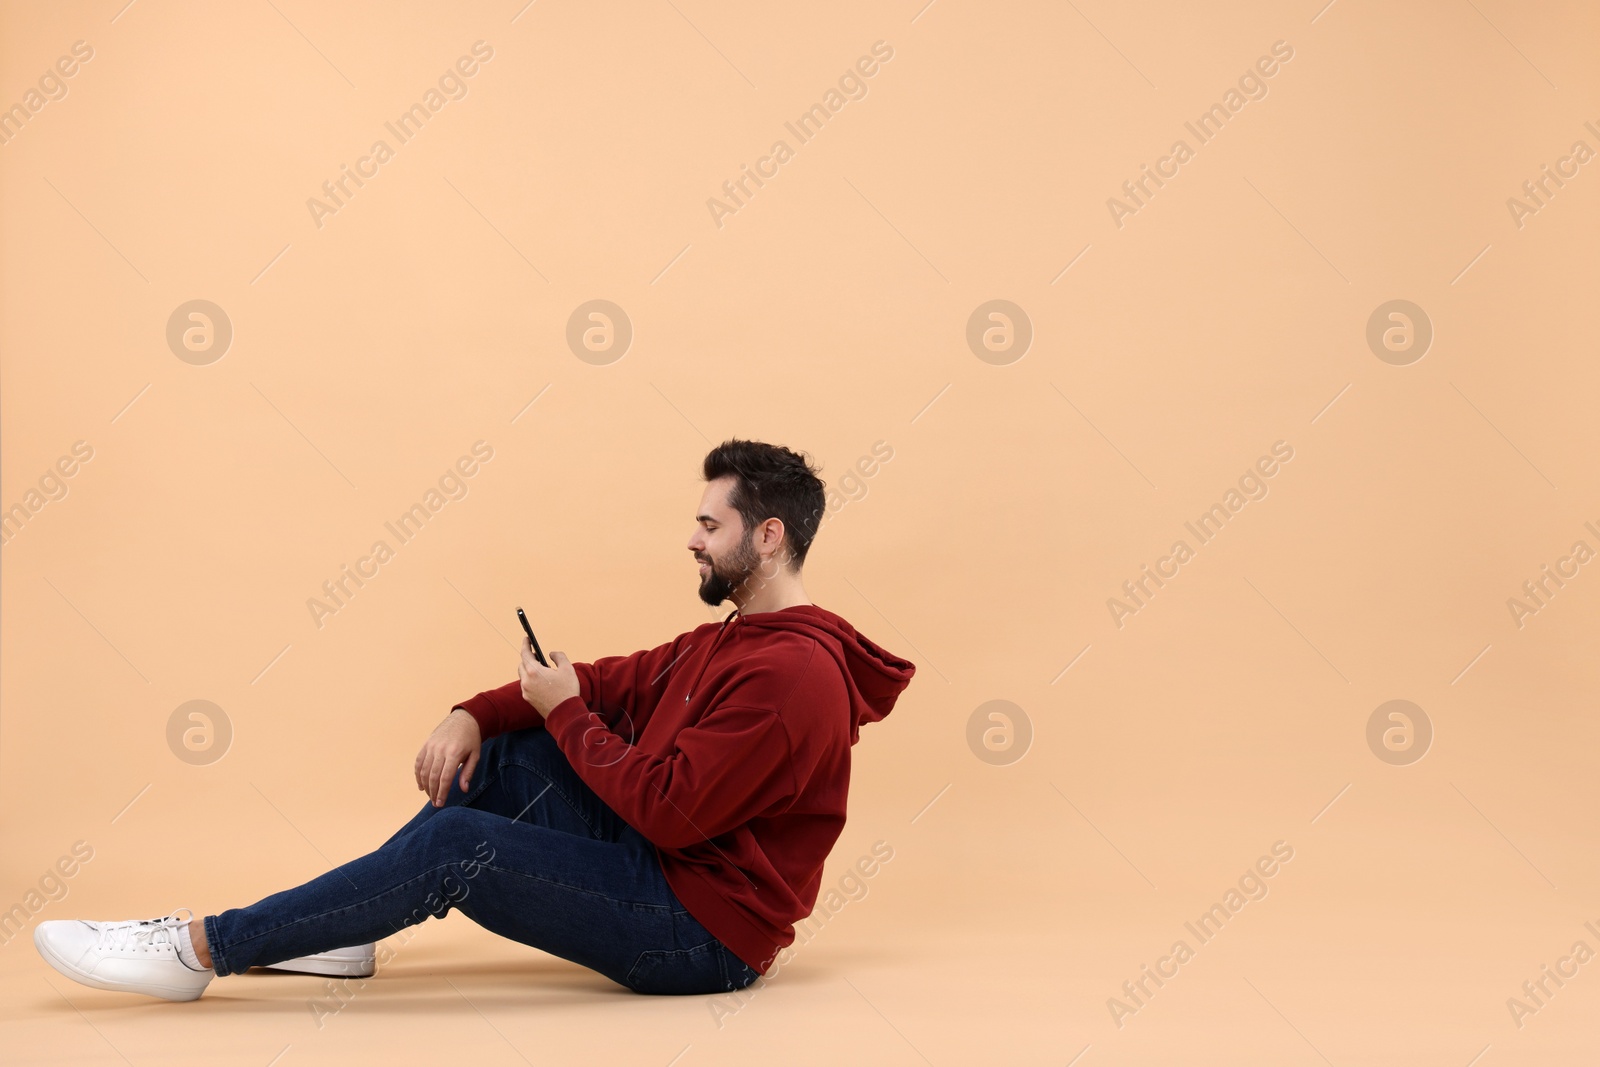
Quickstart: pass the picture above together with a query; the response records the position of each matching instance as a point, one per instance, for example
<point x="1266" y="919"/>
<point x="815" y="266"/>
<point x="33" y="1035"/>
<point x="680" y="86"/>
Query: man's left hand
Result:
<point x="545" y="687"/>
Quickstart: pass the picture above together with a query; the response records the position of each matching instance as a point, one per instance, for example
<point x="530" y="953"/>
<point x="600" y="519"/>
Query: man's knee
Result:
<point x="452" y="847"/>
<point x="533" y="747"/>
<point x="446" y="825"/>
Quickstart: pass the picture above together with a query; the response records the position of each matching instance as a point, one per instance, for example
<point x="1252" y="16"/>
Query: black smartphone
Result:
<point x="532" y="640"/>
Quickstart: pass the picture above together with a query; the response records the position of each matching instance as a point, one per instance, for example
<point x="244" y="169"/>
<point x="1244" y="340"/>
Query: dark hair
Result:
<point x="772" y="482"/>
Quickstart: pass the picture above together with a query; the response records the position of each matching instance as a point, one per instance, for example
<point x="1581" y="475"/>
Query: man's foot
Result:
<point x="358" y="961"/>
<point x="135" y="956"/>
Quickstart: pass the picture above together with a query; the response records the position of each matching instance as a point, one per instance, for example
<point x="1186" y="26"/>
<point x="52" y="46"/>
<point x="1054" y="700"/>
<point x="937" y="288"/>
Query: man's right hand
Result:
<point x="453" y="743"/>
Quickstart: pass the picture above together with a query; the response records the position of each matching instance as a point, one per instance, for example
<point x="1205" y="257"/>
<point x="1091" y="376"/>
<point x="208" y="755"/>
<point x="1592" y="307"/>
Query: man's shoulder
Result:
<point x="792" y="648"/>
<point x="706" y="630"/>
<point x="789" y="662"/>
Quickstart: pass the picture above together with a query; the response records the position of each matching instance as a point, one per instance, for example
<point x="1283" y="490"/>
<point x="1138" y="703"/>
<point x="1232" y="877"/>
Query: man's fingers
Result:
<point x="447" y="773"/>
<point x="467" y="769"/>
<point x="425" y="779"/>
<point x="441" y="779"/>
<point x="436" y="768"/>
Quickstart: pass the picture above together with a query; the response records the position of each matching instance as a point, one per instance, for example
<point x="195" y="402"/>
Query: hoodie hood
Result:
<point x="873" y="676"/>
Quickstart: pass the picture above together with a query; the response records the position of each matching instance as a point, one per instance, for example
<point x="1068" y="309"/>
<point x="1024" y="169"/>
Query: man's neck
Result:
<point x="772" y="596"/>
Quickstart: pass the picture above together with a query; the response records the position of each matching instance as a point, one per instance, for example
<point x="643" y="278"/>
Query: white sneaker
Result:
<point x="358" y="961"/>
<point x="135" y="956"/>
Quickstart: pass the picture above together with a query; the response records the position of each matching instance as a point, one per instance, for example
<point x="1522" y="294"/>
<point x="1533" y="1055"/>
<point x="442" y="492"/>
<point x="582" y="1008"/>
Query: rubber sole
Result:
<point x="328" y="965"/>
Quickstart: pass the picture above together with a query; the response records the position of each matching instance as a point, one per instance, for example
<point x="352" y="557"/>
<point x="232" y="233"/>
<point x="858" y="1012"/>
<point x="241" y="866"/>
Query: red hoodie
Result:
<point x="728" y="747"/>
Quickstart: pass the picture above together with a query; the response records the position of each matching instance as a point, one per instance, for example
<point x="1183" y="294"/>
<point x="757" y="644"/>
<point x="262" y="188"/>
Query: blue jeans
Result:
<point x="530" y="853"/>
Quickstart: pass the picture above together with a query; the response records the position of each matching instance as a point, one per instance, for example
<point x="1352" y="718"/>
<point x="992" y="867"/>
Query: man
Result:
<point x="661" y="818"/>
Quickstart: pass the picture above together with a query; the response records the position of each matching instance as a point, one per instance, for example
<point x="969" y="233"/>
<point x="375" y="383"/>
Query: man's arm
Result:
<point x="621" y="689"/>
<point x="727" y="768"/>
<point x="498" y="711"/>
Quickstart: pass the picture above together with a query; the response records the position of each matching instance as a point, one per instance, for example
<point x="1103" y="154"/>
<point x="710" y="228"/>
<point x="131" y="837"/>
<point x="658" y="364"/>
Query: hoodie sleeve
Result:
<point x="623" y="690"/>
<point x="501" y="710"/>
<point x="729" y="766"/>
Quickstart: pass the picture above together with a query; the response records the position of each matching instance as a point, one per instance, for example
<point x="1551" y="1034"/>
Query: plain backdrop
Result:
<point x="1045" y="850"/>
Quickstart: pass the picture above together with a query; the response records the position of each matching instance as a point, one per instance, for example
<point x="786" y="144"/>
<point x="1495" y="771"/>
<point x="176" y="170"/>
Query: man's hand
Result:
<point x="453" y="743"/>
<point x="545" y="687"/>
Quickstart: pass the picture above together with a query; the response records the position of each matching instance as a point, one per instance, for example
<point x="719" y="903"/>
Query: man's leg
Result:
<point x="601" y="904"/>
<point x="524" y="775"/>
<point x="551" y="866"/>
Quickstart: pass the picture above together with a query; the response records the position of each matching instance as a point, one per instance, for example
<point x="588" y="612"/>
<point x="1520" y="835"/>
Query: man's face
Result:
<point x="721" y="544"/>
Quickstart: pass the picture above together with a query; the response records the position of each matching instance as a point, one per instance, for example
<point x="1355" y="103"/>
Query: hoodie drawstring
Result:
<point x="721" y="631"/>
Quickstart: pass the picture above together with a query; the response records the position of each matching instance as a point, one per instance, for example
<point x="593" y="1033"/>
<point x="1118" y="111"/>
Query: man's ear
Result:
<point x="772" y="533"/>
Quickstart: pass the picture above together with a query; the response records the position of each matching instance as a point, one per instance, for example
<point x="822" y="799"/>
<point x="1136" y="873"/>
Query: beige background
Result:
<point x="829" y="313"/>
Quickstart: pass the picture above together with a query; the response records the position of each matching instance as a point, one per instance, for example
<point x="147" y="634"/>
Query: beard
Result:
<point x="728" y="574"/>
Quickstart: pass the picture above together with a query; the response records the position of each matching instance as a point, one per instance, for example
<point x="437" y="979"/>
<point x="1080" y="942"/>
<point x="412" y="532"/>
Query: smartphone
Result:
<point x="538" y="654"/>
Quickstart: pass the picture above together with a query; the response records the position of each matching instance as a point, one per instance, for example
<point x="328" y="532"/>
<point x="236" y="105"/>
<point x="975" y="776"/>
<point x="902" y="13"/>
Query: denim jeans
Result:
<point x="529" y="852"/>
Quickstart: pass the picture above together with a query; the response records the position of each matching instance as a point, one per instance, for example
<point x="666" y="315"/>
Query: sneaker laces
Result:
<point x="137" y="933"/>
